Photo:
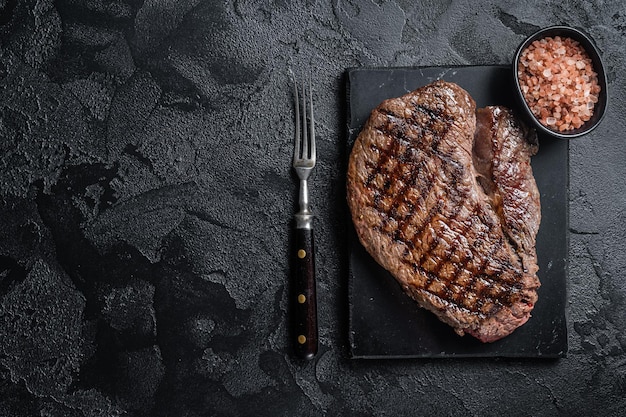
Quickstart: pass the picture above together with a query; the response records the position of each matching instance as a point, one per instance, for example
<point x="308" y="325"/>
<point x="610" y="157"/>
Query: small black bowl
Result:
<point x="592" y="51"/>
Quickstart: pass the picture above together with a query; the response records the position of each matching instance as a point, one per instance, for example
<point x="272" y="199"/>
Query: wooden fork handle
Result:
<point x="305" y="300"/>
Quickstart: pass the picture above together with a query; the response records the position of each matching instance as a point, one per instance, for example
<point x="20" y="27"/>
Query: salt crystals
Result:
<point x="558" y="64"/>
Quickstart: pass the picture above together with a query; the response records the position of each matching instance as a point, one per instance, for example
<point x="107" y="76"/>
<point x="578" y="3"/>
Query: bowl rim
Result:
<point x="593" y="52"/>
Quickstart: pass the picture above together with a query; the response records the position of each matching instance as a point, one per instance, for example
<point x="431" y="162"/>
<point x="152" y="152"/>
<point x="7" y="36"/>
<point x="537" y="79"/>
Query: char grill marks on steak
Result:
<point x="449" y="206"/>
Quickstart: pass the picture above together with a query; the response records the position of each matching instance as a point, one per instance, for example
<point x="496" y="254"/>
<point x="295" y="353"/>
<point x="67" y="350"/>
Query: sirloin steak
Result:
<point x="443" y="197"/>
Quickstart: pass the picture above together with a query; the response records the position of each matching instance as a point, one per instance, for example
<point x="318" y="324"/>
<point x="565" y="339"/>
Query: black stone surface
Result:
<point x="146" y="199"/>
<point x="384" y="322"/>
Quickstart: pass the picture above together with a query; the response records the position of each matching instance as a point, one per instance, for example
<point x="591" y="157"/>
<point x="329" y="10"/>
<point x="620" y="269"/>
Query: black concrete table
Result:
<point x="146" y="201"/>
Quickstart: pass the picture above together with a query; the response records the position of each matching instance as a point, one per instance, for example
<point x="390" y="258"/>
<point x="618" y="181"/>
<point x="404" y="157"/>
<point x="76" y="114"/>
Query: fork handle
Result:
<point x="305" y="310"/>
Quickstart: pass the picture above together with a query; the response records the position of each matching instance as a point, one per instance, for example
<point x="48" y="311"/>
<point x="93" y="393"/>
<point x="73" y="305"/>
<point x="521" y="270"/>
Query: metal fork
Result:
<point x="305" y="317"/>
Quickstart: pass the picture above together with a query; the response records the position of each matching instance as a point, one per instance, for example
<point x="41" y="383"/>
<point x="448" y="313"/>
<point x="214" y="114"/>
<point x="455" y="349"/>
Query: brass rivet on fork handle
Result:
<point x="304" y="155"/>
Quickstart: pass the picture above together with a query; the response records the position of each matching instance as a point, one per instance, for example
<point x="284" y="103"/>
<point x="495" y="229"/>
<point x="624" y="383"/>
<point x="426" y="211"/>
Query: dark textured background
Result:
<point x="146" y="195"/>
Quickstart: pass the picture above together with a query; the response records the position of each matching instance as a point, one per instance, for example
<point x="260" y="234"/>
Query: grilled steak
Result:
<point x="443" y="197"/>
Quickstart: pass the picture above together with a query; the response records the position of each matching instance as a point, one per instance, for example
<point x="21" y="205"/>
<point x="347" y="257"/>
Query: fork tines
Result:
<point x="304" y="149"/>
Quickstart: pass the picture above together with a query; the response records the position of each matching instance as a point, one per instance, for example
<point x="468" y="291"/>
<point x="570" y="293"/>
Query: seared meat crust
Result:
<point x="443" y="197"/>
